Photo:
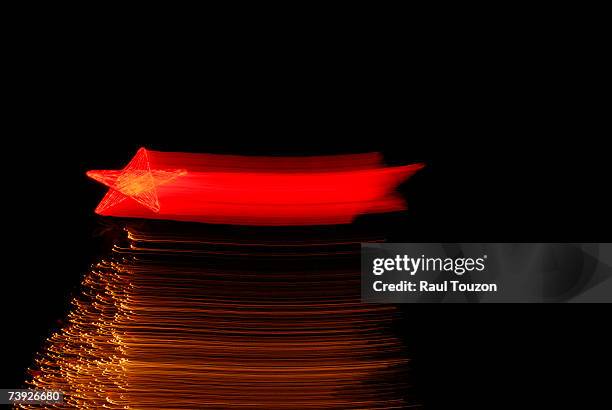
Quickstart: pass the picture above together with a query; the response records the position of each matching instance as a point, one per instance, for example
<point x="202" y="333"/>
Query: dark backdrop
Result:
<point x="511" y="156"/>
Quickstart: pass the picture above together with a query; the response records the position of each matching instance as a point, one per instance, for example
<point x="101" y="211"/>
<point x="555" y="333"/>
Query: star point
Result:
<point x="136" y="181"/>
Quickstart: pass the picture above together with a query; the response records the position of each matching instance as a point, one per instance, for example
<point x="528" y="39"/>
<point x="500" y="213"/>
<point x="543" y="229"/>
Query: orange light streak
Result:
<point x="180" y="320"/>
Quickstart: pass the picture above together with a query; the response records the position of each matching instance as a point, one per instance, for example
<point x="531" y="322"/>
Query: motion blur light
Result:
<point x="251" y="191"/>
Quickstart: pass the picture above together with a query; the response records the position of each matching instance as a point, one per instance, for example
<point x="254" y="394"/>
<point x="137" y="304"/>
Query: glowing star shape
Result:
<point x="137" y="181"/>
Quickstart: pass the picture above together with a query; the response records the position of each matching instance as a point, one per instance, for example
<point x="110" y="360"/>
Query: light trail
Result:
<point x="176" y="318"/>
<point x="226" y="189"/>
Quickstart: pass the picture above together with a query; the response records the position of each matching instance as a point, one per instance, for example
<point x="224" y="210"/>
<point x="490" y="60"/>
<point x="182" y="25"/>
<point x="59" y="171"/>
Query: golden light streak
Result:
<point x="180" y="319"/>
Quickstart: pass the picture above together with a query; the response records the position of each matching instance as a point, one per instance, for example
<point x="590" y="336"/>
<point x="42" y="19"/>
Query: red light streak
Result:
<point x="252" y="191"/>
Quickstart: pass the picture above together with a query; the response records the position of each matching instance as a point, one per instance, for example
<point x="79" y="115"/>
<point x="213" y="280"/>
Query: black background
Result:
<point x="511" y="150"/>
